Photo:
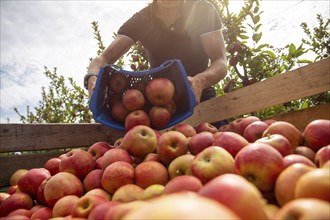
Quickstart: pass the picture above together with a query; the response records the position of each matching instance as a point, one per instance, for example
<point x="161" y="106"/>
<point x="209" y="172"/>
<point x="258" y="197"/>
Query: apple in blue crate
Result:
<point x="159" y="116"/>
<point x="119" y="112"/>
<point x="133" y="100"/>
<point x="160" y="91"/>
<point x="137" y="117"/>
<point x="118" y="83"/>
<point x="171" y="107"/>
<point x="139" y="141"/>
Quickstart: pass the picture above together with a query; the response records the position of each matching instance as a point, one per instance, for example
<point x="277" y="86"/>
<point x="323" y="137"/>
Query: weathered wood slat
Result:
<point x="303" y="117"/>
<point x="299" y="83"/>
<point x="10" y="163"/>
<point x="15" y="137"/>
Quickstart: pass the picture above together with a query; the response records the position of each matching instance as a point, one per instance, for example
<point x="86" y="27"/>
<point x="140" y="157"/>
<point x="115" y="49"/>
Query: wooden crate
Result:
<point x="45" y="140"/>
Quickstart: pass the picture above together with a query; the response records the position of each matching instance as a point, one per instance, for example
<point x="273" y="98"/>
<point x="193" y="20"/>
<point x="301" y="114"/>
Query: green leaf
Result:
<point x="292" y="49"/>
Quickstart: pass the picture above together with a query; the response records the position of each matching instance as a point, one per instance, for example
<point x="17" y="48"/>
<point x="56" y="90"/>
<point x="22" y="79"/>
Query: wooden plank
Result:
<point x="303" y="117"/>
<point x="299" y="83"/>
<point x="10" y="163"/>
<point x="18" y="137"/>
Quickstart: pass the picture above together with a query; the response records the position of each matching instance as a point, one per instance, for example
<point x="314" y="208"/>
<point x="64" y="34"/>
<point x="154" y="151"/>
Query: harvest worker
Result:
<point x="188" y="30"/>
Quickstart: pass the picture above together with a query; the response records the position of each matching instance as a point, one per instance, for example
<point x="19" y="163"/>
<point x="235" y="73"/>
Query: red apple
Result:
<point x="152" y="191"/>
<point x="99" y="192"/>
<point x="183" y="183"/>
<point x="98" y="149"/>
<point x="114" y="155"/>
<point x="296" y="158"/>
<point x="159" y="116"/>
<point x="200" y="141"/>
<point x="150" y="172"/>
<point x="322" y="156"/>
<point x="152" y="157"/>
<point x="64" y="205"/>
<point x="53" y="165"/>
<point x="183" y="205"/>
<point x="254" y="131"/>
<point x="317" y="134"/>
<point x="30" y="182"/>
<point x="13" y="189"/>
<point x="171" y="145"/>
<point x="16" y="176"/>
<point x="128" y="193"/>
<point x="160" y="91"/>
<point x="24" y="212"/>
<point x="119" y="112"/>
<point x="205" y="126"/>
<point x="260" y="164"/>
<point x="314" y="184"/>
<point x="286" y="129"/>
<point x="93" y="180"/>
<point x="236" y="193"/>
<point x="118" y="83"/>
<point x="230" y="141"/>
<point x="238" y="125"/>
<point x="139" y="141"/>
<point x="44" y="213"/>
<point x="19" y="200"/>
<point x="60" y="185"/>
<point x="171" y="107"/>
<point x="116" y="175"/>
<point x="120" y="210"/>
<point x="286" y="182"/>
<point x="225" y="127"/>
<point x="100" y="211"/>
<point x="85" y="205"/>
<point x="78" y="162"/>
<point x="278" y="142"/>
<point x="114" y="98"/>
<point x="3" y="196"/>
<point x="137" y="117"/>
<point x="269" y="121"/>
<point x="180" y="166"/>
<point x="306" y="152"/>
<point x="306" y="208"/>
<point x="212" y="162"/>
<point x="118" y="142"/>
<point x="185" y="128"/>
<point x="133" y="100"/>
<point x="41" y="193"/>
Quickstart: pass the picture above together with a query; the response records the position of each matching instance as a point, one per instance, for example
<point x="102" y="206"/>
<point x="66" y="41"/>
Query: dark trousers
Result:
<point x="207" y="94"/>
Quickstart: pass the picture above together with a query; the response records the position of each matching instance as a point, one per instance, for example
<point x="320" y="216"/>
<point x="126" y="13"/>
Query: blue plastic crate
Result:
<point x="171" y="69"/>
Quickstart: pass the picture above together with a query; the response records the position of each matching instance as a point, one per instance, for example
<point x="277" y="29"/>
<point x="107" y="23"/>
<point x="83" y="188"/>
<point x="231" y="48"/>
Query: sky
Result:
<point x="58" y="34"/>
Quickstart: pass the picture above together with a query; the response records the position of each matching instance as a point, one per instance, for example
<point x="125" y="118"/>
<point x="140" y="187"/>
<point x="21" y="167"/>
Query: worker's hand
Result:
<point x="91" y="85"/>
<point x="196" y="87"/>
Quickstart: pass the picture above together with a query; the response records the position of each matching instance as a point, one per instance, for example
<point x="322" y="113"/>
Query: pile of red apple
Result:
<point x="249" y="169"/>
<point x="151" y="104"/>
